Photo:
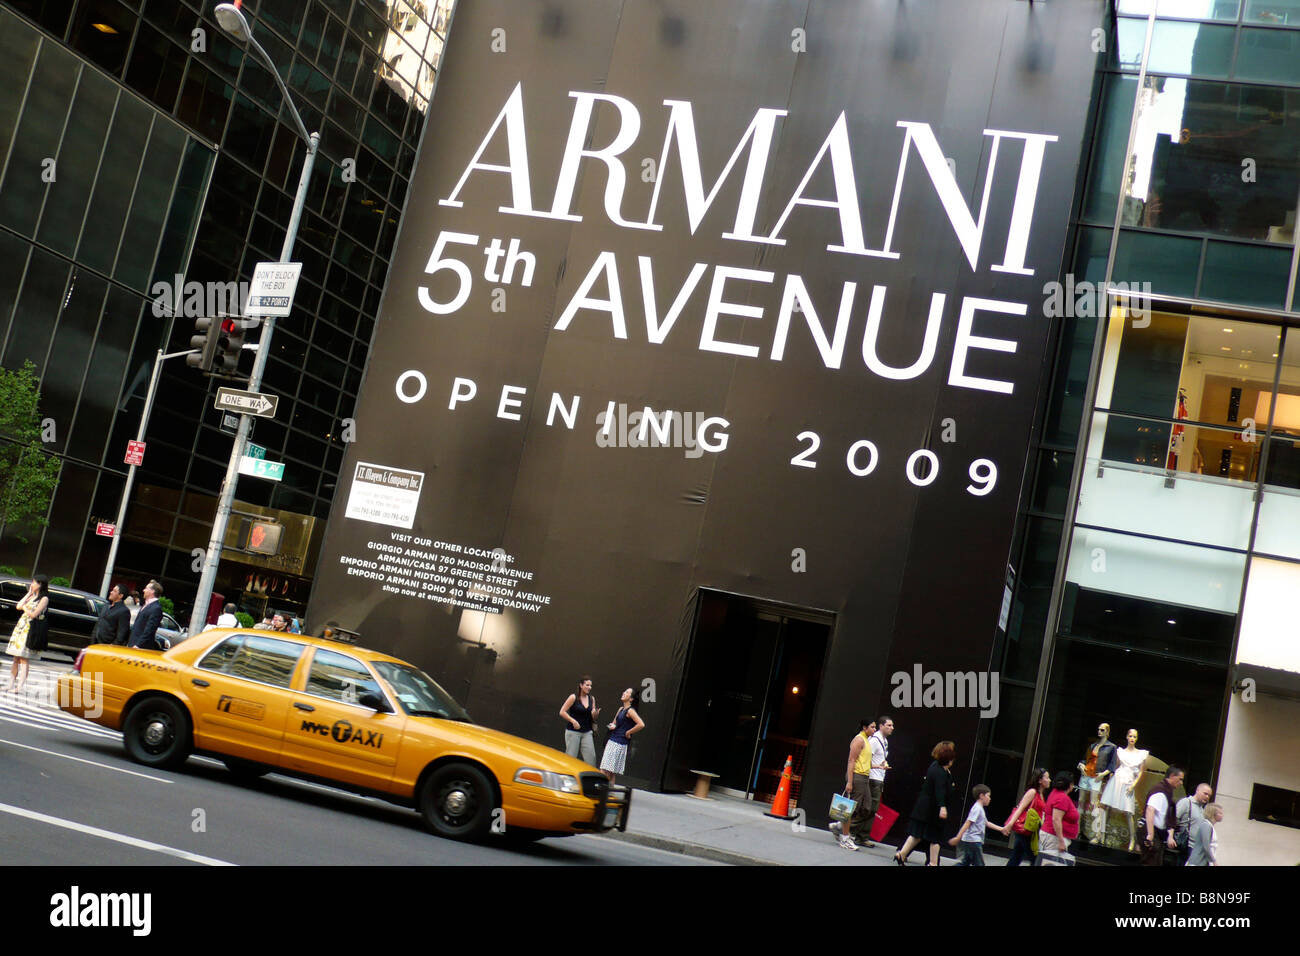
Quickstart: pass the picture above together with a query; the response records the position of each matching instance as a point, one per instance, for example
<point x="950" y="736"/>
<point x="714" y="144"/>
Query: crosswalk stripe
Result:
<point x="33" y="723"/>
<point x="51" y="716"/>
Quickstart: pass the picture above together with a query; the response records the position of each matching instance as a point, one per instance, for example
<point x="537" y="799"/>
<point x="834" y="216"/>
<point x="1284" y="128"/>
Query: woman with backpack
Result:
<point x="1026" y="826"/>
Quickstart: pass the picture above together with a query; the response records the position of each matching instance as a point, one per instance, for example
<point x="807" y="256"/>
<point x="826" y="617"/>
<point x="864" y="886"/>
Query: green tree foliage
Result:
<point x="28" y="473"/>
<point x="245" y="620"/>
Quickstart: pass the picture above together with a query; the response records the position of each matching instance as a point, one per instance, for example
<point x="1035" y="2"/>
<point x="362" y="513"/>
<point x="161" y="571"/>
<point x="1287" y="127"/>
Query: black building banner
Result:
<point x="737" y="297"/>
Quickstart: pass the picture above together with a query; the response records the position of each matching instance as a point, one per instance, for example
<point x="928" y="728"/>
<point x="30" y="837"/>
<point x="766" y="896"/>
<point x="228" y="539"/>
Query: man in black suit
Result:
<point x="145" y="626"/>
<point x="114" y="624"/>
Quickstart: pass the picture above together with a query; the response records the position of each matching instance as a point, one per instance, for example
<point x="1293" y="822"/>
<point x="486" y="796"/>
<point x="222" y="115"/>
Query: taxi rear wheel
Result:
<point x="457" y="801"/>
<point x="157" y="733"/>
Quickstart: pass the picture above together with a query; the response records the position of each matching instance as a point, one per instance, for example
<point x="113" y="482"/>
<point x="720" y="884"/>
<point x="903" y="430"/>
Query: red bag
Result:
<point x="883" y="820"/>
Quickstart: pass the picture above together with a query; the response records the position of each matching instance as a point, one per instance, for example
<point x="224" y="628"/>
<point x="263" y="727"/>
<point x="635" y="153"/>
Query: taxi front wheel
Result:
<point x="457" y="801"/>
<point x="157" y="733"/>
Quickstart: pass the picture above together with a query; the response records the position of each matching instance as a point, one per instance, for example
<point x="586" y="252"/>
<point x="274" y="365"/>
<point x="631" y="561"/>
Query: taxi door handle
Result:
<point x="199" y="683"/>
<point x="307" y="707"/>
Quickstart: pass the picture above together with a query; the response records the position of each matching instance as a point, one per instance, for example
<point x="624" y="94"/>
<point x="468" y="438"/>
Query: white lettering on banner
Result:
<point x="728" y="311"/>
<point x="655" y="330"/>
<point x="966" y="341"/>
<point x="846" y="194"/>
<point x="872" y="334"/>
<point x="832" y="352"/>
<point x="717" y="307"/>
<point x="741" y="310"/>
<point x="681" y="128"/>
<point x="968" y="228"/>
<point x="517" y="143"/>
<point x="604" y="264"/>
<point x="629" y="126"/>
<point x="447" y="573"/>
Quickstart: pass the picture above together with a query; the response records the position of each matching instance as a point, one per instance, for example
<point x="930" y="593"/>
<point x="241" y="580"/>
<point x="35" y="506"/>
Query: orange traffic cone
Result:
<point x="781" y="802"/>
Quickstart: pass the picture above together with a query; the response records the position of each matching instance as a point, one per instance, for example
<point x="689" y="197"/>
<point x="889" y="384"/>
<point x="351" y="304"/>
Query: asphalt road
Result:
<point x="70" y="796"/>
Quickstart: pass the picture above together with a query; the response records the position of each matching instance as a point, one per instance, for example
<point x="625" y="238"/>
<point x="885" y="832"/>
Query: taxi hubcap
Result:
<point x="456" y="802"/>
<point x="155" y="732"/>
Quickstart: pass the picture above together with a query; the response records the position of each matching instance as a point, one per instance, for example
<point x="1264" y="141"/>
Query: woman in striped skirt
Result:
<point x="625" y="723"/>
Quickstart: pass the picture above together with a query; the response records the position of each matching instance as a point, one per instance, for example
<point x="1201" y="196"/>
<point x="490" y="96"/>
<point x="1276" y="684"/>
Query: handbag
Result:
<point x="1064" y="858"/>
<point x="842" y="807"/>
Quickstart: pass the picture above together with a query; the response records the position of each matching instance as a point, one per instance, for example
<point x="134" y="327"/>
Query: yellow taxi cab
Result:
<point x="266" y="701"/>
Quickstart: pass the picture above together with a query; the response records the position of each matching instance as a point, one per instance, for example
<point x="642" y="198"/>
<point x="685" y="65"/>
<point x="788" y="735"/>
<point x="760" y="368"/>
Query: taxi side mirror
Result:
<point x="374" y="702"/>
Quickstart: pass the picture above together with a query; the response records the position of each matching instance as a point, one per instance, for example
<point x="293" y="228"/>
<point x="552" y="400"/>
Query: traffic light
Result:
<point x="260" y="537"/>
<point x="205" y="341"/>
<point x="230" y="343"/>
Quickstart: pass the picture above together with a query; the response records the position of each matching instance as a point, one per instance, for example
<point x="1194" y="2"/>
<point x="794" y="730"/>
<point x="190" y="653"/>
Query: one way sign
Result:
<point x="250" y="403"/>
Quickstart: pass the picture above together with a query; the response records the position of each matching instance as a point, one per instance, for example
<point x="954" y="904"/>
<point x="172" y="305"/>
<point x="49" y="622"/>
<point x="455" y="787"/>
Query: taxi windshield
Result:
<point x="419" y="693"/>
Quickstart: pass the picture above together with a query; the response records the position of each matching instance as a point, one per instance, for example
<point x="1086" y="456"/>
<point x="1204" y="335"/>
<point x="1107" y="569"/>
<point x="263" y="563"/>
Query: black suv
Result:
<point x="72" y="615"/>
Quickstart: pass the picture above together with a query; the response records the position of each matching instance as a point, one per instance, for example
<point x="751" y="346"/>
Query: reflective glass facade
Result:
<point x="175" y="156"/>
<point x="1157" y="530"/>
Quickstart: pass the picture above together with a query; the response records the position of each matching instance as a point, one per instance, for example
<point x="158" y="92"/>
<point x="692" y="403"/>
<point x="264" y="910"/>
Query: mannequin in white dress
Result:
<point x="1118" y="794"/>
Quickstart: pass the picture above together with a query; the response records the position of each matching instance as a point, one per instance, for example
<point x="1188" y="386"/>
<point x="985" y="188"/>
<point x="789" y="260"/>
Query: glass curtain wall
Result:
<point x="99" y="197"/>
<point x="1188" y="437"/>
<point x="361" y="73"/>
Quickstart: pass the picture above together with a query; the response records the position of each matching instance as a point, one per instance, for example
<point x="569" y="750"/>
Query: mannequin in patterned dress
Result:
<point x="1118" y="794"/>
<point x="1095" y="770"/>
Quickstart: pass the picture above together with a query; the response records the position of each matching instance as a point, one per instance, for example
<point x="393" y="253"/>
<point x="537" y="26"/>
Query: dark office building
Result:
<point x="138" y="142"/>
<point x="1131" y="560"/>
<point x="1134" y="564"/>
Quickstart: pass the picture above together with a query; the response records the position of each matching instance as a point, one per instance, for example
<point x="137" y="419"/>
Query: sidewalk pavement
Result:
<point x="732" y="830"/>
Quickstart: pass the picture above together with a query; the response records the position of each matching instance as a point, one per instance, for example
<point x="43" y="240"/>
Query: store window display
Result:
<point x="1118" y="794"/>
<point x="1095" y="770"/>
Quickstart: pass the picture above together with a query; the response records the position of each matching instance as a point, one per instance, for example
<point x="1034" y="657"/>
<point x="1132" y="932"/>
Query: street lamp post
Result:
<point x="130" y="471"/>
<point x="231" y="19"/>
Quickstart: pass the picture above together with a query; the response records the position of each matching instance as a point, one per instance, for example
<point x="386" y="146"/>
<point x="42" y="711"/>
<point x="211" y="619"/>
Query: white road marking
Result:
<point x="39" y="723"/>
<point x="110" y="835"/>
<point x="93" y="763"/>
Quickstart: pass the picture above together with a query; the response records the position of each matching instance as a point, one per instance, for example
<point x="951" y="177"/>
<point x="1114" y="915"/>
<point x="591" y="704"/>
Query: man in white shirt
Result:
<point x="227" y="617"/>
<point x="879" y="744"/>
<point x="1159" y="817"/>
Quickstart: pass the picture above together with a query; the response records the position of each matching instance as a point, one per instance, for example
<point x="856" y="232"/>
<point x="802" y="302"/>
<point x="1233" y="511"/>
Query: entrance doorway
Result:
<point x="750" y="692"/>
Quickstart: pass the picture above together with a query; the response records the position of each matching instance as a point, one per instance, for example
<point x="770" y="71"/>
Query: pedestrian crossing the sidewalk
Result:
<point x="36" y="704"/>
